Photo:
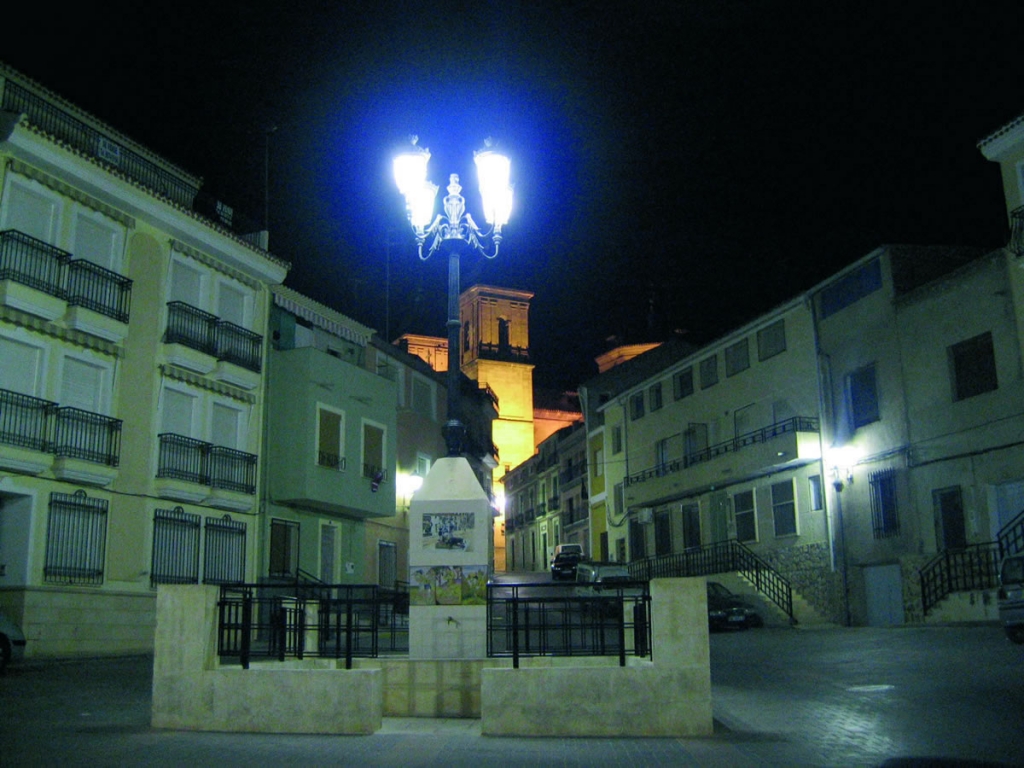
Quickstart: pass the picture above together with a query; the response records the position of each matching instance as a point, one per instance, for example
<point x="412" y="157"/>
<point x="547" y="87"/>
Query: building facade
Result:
<point x="132" y="387"/>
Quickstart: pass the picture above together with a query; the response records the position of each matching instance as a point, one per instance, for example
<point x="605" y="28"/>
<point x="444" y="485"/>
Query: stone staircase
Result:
<point x="806" y="616"/>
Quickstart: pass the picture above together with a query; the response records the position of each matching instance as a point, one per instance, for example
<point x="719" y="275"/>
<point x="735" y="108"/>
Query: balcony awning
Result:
<point x="321" y="316"/>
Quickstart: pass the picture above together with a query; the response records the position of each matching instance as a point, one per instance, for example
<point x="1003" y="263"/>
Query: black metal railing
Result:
<point x="232" y="470"/>
<point x="93" y="287"/>
<point x="720" y="557"/>
<point x="976" y="566"/>
<point x="191" y="327"/>
<point x="331" y="460"/>
<point x="79" y="282"/>
<point x="224" y="550"/>
<point x="1011" y="537"/>
<point x="503" y="352"/>
<point x="88" y="436"/>
<point x="572" y="473"/>
<point x="237" y="345"/>
<point x="63" y="126"/>
<point x="195" y="461"/>
<point x="25" y="421"/>
<point x="317" y="620"/>
<point x="763" y="435"/>
<point x="39" y="425"/>
<point x="569" y="620"/>
<point x="578" y="514"/>
<point x="31" y="262"/>
<point x="218" y="338"/>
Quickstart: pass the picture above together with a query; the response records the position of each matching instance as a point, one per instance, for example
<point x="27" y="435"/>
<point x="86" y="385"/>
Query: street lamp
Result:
<point x="843" y="459"/>
<point x="454" y="232"/>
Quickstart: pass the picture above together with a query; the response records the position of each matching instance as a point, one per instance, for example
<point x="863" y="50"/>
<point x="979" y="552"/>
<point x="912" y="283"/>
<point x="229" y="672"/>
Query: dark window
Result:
<point x="784" y="508"/>
<point x="863" y="396"/>
<point x="637" y="540"/>
<point x="853" y="286"/>
<point x="950" y="526"/>
<point x="616" y="440"/>
<point x="885" y="521"/>
<point x="771" y="340"/>
<point x="284" y="548"/>
<point x="817" y="499"/>
<point x="636" y="406"/>
<point x="682" y="384"/>
<point x="746" y="525"/>
<point x="737" y="358"/>
<point x="708" y="372"/>
<point x="655" y="394"/>
<point x="662" y="534"/>
<point x="973" y="364"/>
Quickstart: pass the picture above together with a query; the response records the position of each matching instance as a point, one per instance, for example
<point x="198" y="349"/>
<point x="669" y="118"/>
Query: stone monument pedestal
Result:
<point x="450" y="529"/>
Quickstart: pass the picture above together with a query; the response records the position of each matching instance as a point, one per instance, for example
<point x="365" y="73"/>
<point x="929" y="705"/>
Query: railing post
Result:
<point x="246" y="629"/>
<point x="348" y="632"/>
<point x="515" y="630"/>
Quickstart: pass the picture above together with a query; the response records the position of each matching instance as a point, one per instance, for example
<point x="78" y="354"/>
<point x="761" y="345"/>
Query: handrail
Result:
<point x="1011" y="537"/>
<point x="720" y="557"/>
<point x="763" y="435"/>
<point x="975" y="566"/>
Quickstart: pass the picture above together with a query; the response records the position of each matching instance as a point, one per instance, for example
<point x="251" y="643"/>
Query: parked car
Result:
<point x="606" y="581"/>
<point x="1011" y="597"/>
<point x="12" y="642"/>
<point x="563" y="565"/>
<point x="727" y="610"/>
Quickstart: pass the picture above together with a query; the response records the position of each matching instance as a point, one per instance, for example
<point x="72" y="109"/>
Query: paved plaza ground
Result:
<point x="835" y="697"/>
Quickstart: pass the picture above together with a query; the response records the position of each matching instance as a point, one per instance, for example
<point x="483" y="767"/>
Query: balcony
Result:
<point x="214" y="338"/>
<point x="773" y="446"/>
<point x="569" y="476"/>
<point x="503" y="352"/>
<point x="67" y="285"/>
<point x="184" y="463"/>
<point x="86" y="445"/>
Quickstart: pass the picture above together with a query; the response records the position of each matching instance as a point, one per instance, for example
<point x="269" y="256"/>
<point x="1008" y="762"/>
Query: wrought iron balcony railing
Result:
<point x="93" y="287"/>
<point x="194" y="461"/>
<point x="79" y="282"/>
<point x="31" y="262"/>
<point x="206" y="333"/>
<point x="63" y="126"/>
<point x="26" y="422"/>
<point x="763" y="435"/>
<point x="29" y="422"/>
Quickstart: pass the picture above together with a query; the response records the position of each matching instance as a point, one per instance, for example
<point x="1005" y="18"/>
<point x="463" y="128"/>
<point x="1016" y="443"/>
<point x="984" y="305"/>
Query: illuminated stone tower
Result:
<point x="495" y="352"/>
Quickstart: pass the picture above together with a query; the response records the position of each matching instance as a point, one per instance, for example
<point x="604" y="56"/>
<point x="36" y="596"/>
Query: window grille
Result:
<point x="885" y="521"/>
<point x="175" y="547"/>
<point x="76" y="538"/>
<point x="225" y="551"/>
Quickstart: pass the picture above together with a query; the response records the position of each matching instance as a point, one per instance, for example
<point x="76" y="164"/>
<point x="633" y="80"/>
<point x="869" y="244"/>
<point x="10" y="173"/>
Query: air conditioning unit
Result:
<point x="645" y="515"/>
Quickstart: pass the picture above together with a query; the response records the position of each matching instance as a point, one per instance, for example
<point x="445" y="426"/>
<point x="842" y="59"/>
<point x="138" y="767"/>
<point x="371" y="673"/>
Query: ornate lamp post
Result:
<point x="454" y="232"/>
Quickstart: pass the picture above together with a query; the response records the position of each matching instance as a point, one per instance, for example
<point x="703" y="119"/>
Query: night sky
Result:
<point x="707" y="160"/>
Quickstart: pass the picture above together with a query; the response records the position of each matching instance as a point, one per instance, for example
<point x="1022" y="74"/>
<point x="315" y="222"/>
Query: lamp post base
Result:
<point x="454" y="436"/>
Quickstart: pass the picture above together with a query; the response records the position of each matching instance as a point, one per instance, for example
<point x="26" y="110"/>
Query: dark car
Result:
<point x="563" y="565"/>
<point x="727" y="610"/>
<point x="12" y="642"/>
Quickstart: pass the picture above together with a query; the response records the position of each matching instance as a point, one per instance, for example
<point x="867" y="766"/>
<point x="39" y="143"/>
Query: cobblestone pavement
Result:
<point x="837" y="697"/>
